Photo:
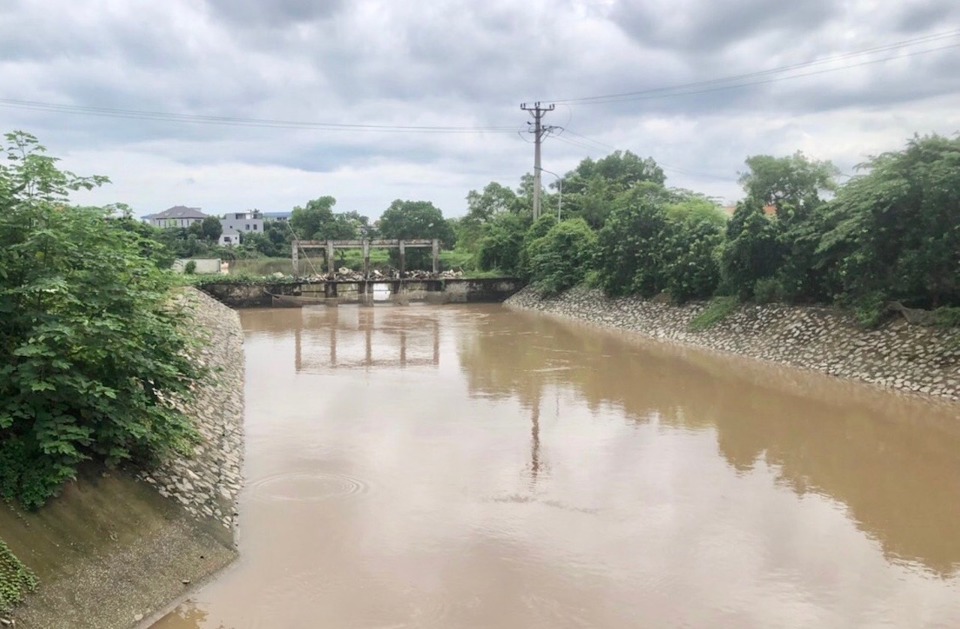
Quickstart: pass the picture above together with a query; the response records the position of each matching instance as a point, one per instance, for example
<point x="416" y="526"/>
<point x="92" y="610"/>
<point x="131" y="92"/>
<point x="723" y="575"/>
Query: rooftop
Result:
<point x="179" y="211"/>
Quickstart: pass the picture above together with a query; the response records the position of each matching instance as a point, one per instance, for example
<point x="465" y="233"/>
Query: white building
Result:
<point x="236" y="223"/>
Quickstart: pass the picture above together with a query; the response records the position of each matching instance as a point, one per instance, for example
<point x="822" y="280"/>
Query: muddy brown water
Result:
<point x="470" y="466"/>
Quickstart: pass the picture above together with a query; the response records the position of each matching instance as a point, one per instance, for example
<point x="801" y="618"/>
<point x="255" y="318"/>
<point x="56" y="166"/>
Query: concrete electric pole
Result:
<point x="539" y="130"/>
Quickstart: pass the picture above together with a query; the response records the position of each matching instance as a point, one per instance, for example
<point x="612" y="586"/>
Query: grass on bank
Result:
<point x="15" y="579"/>
<point x="716" y="311"/>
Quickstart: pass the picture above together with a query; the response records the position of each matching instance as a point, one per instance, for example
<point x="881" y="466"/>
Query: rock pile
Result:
<point x="922" y="360"/>
<point x="343" y="274"/>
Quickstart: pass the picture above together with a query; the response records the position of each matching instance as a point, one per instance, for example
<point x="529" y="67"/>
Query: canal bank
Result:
<point x="114" y="548"/>
<point x="910" y="358"/>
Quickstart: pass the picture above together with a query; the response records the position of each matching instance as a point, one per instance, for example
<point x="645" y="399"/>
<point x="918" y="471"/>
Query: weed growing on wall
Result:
<point x="716" y="311"/>
<point x="15" y="579"/>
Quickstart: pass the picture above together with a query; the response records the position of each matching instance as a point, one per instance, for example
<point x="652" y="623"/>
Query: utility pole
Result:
<point x="539" y="131"/>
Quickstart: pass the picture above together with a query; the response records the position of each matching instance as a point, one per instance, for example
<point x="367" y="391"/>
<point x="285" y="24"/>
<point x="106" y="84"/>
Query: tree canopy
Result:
<point x="92" y="351"/>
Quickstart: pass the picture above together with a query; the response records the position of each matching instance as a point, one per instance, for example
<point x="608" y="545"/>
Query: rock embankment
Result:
<point x="208" y="483"/>
<point x="921" y="360"/>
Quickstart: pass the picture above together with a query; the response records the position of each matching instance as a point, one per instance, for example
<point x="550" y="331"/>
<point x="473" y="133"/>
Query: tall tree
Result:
<point x="409" y="220"/>
<point x="795" y="185"/>
<point x="482" y="208"/>
<point x="895" y="231"/>
<point x="309" y="221"/>
<point x="590" y="189"/>
<point x="211" y="229"/>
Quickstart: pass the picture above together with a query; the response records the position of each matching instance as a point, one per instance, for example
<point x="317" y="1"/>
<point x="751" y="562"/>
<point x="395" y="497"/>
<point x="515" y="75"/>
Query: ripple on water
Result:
<point x="306" y="487"/>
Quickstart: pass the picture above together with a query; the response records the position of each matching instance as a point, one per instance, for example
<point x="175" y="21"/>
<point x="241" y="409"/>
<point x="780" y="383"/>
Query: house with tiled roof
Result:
<point x="177" y="216"/>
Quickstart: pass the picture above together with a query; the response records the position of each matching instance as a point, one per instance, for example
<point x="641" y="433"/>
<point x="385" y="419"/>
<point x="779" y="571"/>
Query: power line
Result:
<point x="234" y="121"/>
<point x="683" y="89"/>
<point x="593" y="144"/>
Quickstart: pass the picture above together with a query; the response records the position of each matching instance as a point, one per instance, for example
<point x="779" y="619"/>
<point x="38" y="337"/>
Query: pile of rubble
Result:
<point x="343" y="274"/>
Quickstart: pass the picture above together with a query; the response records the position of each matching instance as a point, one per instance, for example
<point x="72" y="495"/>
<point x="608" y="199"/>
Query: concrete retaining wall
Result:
<point x="207" y="484"/>
<point x="922" y="360"/>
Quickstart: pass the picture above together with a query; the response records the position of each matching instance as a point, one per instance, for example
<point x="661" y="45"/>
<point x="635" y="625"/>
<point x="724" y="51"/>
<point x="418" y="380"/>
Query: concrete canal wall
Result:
<point x="113" y="549"/>
<point x="437" y="290"/>
<point x="911" y="358"/>
<point x="207" y="484"/>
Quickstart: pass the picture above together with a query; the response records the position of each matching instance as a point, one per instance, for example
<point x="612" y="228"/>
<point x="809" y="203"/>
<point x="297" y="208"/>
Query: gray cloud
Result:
<point x="259" y="14"/>
<point x="693" y="26"/>
<point x="459" y="63"/>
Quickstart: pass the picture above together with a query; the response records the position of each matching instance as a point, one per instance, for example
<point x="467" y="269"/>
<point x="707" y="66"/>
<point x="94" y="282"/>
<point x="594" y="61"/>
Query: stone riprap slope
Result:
<point x="922" y="360"/>
<point x="207" y="484"/>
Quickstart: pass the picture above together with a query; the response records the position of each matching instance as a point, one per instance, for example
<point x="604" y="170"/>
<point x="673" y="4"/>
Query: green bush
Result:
<point x="947" y="317"/>
<point x="502" y="243"/>
<point x="91" y="350"/>
<point x="767" y="291"/>
<point x="15" y="579"/>
<point x="561" y="259"/>
<point x="871" y="310"/>
<point x="190" y="267"/>
<point x="751" y="251"/>
<point x="629" y="256"/>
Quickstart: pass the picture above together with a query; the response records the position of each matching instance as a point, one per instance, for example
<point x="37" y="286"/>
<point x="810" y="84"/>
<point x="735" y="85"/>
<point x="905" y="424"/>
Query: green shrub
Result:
<point x="15" y="579"/>
<point x="767" y="290"/>
<point x="561" y="259"/>
<point x="947" y="317"/>
<point x="91" y="351"/>
<point x="190" y="267"/>
<point x="630" y="251"/>
<point x="871" y="310"/>
<point x="716" y="311"/>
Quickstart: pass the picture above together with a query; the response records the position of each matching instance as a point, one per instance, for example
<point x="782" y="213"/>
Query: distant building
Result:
<point x="276" y="216"/>
<point x="177" y="216"/>
<point x="236" y="223"/>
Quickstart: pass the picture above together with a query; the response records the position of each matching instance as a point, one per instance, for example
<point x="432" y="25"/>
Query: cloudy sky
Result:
<point x="236" y="104"/>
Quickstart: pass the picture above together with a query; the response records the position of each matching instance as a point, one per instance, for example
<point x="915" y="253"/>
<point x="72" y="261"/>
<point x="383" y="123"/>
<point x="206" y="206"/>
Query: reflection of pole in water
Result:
<point x="535" y="440"/>
<point x="297" y="340"/>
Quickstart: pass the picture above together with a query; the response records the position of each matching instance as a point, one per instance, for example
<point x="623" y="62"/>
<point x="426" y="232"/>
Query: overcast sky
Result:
<point x="458" y="71"/>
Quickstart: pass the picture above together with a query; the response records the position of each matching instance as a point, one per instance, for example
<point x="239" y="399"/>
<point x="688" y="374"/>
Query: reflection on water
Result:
<point x="348" y="338"/>
<point x="476" y="467"/>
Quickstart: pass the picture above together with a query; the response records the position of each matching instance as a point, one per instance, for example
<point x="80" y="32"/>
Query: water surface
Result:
<point x="470" y="466"/>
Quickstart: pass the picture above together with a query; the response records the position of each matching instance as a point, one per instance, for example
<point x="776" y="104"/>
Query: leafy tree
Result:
<point x="91" y="350"/>
<point x="691" y="237"/>
<point x="501" y="245"/>
<point x="538" y="230"/>
<point x="211" y="229"/>
<point x="309" y="221"/>
<point x="562" y="257"/>
<point x="409" y="220"/>
<point x="751" y="251"/>
<point x="589" y="191"/>
<point x="629" y="252"/>
<point x="793" y="184"/>
<point x="482" y="208"/>
<point x="894" y="232"/>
